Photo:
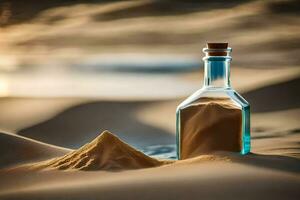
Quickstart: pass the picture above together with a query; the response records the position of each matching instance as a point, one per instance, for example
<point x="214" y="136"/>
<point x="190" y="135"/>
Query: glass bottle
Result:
<point x="214" y="118"/>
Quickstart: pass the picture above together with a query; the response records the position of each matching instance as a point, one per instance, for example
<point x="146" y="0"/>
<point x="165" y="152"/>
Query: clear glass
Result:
<point x="216" y="117"/>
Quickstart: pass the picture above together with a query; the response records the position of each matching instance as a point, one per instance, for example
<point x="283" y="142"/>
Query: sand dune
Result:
<point x="81" y="123"/>
<point x="136" y="122"/>
<point x="212" y="176"/>
<point x="106" y="152"/>
<point x="270" y="173"/>
<point x="69" y="35"/>
<point x="208" y="177"/>
<point x="262" y="34"/>
<point x="17" y="150"/>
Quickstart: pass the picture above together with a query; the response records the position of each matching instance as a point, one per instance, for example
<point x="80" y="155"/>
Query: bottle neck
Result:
<point x="217" y="71"/>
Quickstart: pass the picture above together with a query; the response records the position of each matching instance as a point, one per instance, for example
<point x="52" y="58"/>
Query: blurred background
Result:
<point x="72" y="68"/>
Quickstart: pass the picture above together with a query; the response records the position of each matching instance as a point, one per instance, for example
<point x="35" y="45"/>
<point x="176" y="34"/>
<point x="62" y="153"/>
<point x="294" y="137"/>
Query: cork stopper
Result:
<point x="215" y="49"/>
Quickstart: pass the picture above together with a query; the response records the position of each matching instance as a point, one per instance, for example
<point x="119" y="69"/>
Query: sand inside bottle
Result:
<point x="208" y="125"/>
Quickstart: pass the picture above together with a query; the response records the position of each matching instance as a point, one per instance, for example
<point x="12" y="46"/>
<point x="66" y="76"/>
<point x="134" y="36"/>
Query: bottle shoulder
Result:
<point x="209" y="94"/>
<point x="238" y="98"/>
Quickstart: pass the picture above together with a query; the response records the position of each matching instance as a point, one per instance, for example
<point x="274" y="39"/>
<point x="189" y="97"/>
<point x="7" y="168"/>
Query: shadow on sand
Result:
<point x="82" y="123"/>
<point x="17" y="150"/>
<point x="274" y="162"/>
<point x="276" y="97"/>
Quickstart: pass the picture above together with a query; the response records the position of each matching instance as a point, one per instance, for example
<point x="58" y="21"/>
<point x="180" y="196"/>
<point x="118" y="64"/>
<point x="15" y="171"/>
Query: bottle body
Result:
<point x="214" y="118"/>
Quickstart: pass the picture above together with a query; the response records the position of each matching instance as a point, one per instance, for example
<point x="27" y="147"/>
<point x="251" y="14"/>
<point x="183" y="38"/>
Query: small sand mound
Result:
<point x="106" y="152"/>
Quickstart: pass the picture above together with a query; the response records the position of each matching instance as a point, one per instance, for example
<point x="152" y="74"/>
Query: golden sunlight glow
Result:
<point x="3" y="87"/>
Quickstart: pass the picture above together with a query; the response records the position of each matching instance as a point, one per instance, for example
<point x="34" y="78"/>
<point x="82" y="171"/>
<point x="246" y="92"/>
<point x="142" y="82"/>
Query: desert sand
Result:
<point x="220" y="175"/>
<point x="223" y="175"/>
<point x="27" y="150"/>
<point x="270" y="172"/>
<point x="106" y="152"/>
<point x="55" y="100"/>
